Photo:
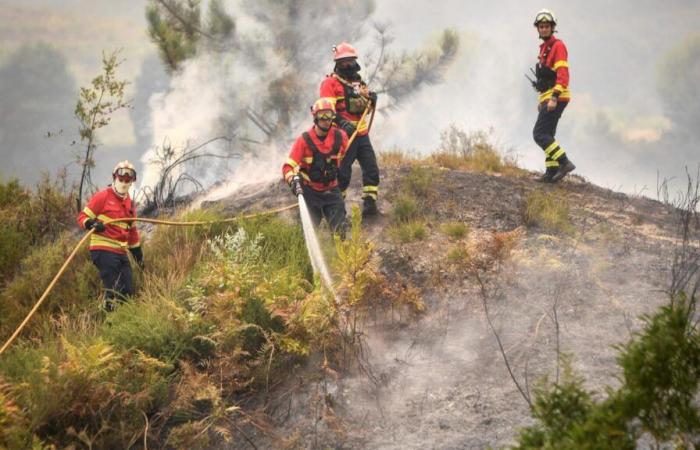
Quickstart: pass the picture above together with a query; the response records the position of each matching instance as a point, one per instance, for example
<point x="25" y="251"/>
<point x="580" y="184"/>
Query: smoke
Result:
<point x="616" y="128"/>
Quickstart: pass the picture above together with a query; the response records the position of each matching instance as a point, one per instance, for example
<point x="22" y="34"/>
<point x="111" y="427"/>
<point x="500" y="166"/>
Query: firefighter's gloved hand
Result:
<point x="137" y="253"/>
<point x="96" y="224"/>
<point x="295" y="185"/>
<point x="373" y="98"/>
<point x="348" y="127"/>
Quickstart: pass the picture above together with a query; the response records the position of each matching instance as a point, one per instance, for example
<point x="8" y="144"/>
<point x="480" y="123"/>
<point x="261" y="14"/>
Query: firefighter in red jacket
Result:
<point x="110" y="242"/>
<point x="352" y="96"/>
<point x="313" y="165"/>
<point x="552" y="82"/>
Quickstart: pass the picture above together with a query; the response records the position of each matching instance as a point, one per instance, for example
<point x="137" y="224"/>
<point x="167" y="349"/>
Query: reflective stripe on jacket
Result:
<point x="118" y="236"/>
<point x="557" y="59"/>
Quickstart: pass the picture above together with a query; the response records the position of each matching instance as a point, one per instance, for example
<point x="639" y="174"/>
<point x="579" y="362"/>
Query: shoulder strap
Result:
<point x="310" y="142"/>
<point x="337" y="142"/>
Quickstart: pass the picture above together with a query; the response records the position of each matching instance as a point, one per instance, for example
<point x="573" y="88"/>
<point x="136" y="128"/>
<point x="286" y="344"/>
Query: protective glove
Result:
<point x="295" y="185"/>
<point x="137" y="253"/>
<point x="96" y="224"/>
<point x="348" y="127"/>
<point x="373" y="98"/>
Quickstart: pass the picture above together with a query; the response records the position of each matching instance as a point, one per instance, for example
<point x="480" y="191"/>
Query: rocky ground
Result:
<point x="440" y="381"/>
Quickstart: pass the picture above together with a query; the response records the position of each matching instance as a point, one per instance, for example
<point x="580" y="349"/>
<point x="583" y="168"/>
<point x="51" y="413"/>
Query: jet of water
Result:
<point x="317" y="261"/>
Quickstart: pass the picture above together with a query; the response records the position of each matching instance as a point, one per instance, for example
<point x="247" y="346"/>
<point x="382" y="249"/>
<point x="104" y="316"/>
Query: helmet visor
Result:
<point x="325" y="115"/>
<point x="125" y="175"/>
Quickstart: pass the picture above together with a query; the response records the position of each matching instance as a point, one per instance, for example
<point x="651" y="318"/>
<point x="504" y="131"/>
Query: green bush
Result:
<point x="455" y="230"/>
<point x="77" y="290"/>
<point x="84" y="390"/>
<point x="661" y="371"/>
<point x="405" y="208"/>
<point x="420" y="181"/>
<point x="156" y="325"/>
<point x="405" y="232"/>
<point x="658" y="395"/>
<point x="31" y="219"/>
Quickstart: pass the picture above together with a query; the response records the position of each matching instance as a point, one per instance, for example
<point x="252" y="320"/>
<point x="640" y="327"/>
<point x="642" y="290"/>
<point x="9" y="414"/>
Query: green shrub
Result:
<point x="77" y="290"/>
<point x="31" y="219"/>
<point x="409" y="231"/>
<point x="405" y="208"/>
<point x="661" y="371"/>
<point x="81" y="391"/>
<point x="547" y="210"/>
<point x="458" y="254"/>
<point x="658" y="395"/>
<point x="455" y="230"/>
<point x="420" y="181"/>
<point x="156" y="325"/>
<point x="282" y="244"/>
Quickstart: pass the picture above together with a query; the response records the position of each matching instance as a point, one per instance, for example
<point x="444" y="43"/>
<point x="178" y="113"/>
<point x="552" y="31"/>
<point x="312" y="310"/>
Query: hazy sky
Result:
<point x="615" y="128"/>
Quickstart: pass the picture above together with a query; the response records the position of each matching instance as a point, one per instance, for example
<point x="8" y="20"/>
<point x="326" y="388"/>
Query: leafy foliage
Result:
<point x="661" y="376"/>
<point x="31" y="218"/>
<point x="94" y="109"/>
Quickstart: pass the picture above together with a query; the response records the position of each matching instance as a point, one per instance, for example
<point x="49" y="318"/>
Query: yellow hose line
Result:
<point x="129" y="219"/>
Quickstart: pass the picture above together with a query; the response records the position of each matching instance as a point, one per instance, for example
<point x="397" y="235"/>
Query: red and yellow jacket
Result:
<point x="554" y="55"/>
<point x="348" y="103"/>
<point x="118" y="236"/>
<point x="301" y="157"/>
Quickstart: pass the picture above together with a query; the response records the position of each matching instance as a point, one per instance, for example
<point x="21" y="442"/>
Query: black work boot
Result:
<point x="547" y="177"/>
<point x="564" y="168"/>
<point x="369" y="208"/>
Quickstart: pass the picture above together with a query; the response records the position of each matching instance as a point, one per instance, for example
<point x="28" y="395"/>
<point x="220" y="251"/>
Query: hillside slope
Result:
<point x="439" y="380"/>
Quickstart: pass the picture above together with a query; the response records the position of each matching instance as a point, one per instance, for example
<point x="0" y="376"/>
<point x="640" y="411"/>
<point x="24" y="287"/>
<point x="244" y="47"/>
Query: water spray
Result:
<point x="317" y="261"/>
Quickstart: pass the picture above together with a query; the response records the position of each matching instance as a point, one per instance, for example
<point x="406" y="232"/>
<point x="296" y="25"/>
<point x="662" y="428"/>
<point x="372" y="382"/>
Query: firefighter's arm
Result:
<point x="343" y="147"/>
<point x="293" y="163"/>
<point x="560" y="65"/>
<point x="87" y="219"/>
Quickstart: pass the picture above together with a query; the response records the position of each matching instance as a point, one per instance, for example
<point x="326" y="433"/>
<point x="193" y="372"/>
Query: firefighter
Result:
<point x="352" y="96"/>
<point x="110" y="242"/>
<point x="313" y="165"/>
<point x="552" y="82"/>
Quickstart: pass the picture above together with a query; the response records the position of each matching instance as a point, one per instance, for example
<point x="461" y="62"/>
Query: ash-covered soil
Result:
<point x="440" y="381"/>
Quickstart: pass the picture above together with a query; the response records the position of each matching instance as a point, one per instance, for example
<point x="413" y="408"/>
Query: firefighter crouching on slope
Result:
<point x="313" y="165"/>
<point x="552" y="82"/>
<point x="352" y="96"/>
<point x="109" y="243"/>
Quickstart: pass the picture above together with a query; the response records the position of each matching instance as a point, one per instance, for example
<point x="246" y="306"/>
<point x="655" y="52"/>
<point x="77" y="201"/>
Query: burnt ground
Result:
<point x="440" y="381"/>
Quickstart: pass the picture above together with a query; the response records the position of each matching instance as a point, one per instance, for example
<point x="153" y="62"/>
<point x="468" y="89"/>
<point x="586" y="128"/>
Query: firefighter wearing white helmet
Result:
<point x="552" y="83"/>
<point x="110" y="243"/>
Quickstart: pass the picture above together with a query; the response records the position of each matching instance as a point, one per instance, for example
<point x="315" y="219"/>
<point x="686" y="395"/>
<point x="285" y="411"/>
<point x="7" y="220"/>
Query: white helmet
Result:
<point x="124" y="168"/>
<point x="123" y="176"/>
<point x="545" y="15"/>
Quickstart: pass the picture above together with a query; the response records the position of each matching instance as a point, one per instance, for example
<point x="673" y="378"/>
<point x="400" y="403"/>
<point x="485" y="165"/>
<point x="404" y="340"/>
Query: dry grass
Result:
<point x="409" y="231"/>
<point x="396" y="158"/>
<point x="548" y="210"/>
<point x="455" y="230"/>
<point x="485" y="252"/>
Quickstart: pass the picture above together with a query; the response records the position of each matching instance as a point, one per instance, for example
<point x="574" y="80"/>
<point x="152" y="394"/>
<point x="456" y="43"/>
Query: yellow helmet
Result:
<point x="545" y="15"/>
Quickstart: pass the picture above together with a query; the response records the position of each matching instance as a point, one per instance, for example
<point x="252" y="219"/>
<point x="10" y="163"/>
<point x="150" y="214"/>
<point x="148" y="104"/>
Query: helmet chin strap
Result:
<point x="324" y="129"/>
